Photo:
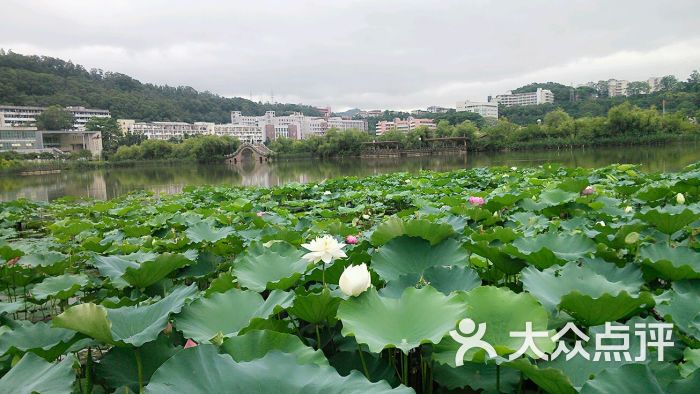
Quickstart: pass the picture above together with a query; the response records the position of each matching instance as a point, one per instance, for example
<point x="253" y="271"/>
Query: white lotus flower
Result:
<point x="324" y="249"/>
<point x="365" y="216"/>
<point x="355" y="280"/>
<point x="629" y="209"/>
<point x="327" y="192"/>
<point x="680" y="198"/>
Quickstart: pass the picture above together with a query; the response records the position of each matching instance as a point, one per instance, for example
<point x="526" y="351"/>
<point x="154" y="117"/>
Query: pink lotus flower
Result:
<point x="478" y="201"/>
<point x="260" y="214"/>
<point x="588" y="191"/>
<point x="351" y="239"/>
<point x="190" y="343"/>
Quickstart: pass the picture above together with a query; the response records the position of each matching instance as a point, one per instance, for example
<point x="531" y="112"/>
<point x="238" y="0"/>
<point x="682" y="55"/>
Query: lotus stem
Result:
<point x="139" y="369"/>
<point x="362" y="360"/>
<point x="318" y="339"/>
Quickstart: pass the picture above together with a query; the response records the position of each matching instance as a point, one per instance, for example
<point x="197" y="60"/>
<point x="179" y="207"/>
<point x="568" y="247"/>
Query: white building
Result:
<point x="485" y="109"/>
<point x="617" y="87"/>
<point x="296" y="125"/>
<point x="21" y="116"/>
<point x="434" y="109"/>
<point x="404" y="126"/>
<point x="654" y="84"/>
<point x="541" y="96"/>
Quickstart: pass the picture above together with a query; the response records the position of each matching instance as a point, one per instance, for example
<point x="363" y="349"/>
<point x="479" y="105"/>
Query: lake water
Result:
<point x="112" y="182"/>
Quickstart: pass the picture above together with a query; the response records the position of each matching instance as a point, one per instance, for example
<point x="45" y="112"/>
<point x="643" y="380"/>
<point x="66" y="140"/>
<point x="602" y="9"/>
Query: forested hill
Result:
<point x="44" y="81"/>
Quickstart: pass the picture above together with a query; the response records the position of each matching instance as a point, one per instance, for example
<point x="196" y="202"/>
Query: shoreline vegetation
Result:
<point x="42" y="166"/>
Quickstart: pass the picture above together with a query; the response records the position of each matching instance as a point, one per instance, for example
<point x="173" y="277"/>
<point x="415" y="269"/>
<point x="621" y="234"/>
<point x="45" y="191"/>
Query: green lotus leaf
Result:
<point x="691" y="362"/>
<point x="203" y="370"/>
<point x="670" y="218"/>
<point x="89" y="319"/>
<point x="384" y="322"/>
<point x="503" y="312"/>
<point x="257" y="343"/>
<point x="410" y="255"/>
<point x="496" y="254"/>
<point x="42" y="259"/>
<point x="680" y="305"/>
<point x="549" y="249"/>
<point x="227" y="313"/>
<point x="134" y="325"/>
<point x="10" y="307"/>
<point x="554" y="197"/>
<point x="141" y="269"/>
<point x="676" y="263"/>
<point x="276" y="267"/>
<point x="204" y="231"/>
<point x="630" y="378"/>
<point x="446" y="279"/>
<point x="151" y="271"/>
<point x="477" y="376"/>
<point x="40" y="338"/>
<point x="685" y="386"/>
<point x="592" y="293"/>
<point x="316" y="307"/>
<point x="59" y="287"/>
<point x="34" y="375"/>
<point x="550" y="380"/>
<point x="396" y="227"/>
<point x="137" y="325"/>
<point x="579" y="370"/>
<point x="119" y="369"/>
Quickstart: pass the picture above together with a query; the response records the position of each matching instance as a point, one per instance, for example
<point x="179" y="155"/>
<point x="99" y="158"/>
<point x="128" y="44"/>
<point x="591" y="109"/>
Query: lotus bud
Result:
<point x="168" y="329"/>
<point x="680" y="198"/>
<point x="588" y="190"/>
<point x="326" y="193"/>
<point x="355" y="280"/>
<point x="351" y="240"/>
<point x="629" y="209"/>
<point x="190" y="343"/>
<point x="477" y="201"/>
<point x="365" y="216"/>
<point x="260" y="214"/>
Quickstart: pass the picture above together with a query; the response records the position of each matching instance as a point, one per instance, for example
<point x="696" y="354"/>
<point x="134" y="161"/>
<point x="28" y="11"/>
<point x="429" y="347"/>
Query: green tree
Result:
<point x="638" y="87"/>
<point x="55" y="118"/>
<point x="668" y="83"/>
<point x="111" y="134"/>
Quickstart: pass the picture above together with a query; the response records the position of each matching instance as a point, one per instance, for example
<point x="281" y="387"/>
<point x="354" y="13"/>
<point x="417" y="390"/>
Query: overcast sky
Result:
<point x="368" y="54"/>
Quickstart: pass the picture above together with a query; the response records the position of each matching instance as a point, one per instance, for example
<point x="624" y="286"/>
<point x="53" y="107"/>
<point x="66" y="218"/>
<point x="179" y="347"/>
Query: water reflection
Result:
<point x="109" y="183"/>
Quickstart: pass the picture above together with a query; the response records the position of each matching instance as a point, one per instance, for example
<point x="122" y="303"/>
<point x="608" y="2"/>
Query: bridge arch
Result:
<point x="256" y="152"/>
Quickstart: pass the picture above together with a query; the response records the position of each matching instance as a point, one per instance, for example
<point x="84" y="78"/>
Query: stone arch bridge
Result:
<point x="257" y="153"/>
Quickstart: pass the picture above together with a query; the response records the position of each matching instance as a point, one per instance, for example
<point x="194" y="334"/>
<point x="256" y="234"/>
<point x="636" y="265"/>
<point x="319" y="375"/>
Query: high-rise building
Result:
<point x="617" y="87"/>
<point x="541" y="96"/>
<point x="485" y="109"/>
<point x="303" y="126"/>
<point x="21" y="116"/>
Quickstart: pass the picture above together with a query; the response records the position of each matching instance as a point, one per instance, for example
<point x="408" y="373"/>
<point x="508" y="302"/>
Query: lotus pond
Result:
<point x="259" y="290"/>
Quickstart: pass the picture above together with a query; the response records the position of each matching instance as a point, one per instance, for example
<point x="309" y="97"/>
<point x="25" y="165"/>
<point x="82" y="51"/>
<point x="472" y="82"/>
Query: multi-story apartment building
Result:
<point x="434" y="109"/>
<point x="407" y="125"/>
<point x="370" y="114"/>
<point x="617" y="87"/>
<point x="296" y="125"/>
<point x="20" y="116"/>
<point x="541" y="96"/>
<point x="485" y="109"/>
<point x="654" y="84"/>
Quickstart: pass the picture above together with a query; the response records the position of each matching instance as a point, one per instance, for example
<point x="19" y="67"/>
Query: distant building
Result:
<point x="407" y="125"/>
<point x="541" y="96"/>
<point x="434" y="109"/>
<point x="29" y="140"/>
<point x="325" y="111"/>
<point x="485" y="109"/>
<point x="20" y="116"/>
<point x="617" y="87"/>
<point x="370" y="114"/>
<point x="298" y="124"/>
<point x="654" y="84"/>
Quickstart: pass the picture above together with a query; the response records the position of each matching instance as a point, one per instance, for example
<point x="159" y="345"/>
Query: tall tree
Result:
<point x="668" y="83"/>
<point x="110" y="132"/>
<point x="55" y="118"/>
<point x="638" y="87"/>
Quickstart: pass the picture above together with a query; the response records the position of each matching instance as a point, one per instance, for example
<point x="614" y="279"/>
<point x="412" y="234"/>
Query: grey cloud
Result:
<point x="369" y="54"/>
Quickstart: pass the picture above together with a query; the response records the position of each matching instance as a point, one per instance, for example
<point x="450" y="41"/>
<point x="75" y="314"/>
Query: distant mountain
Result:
<point x="44" y="81"/>
<point x="351" y="112"/>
